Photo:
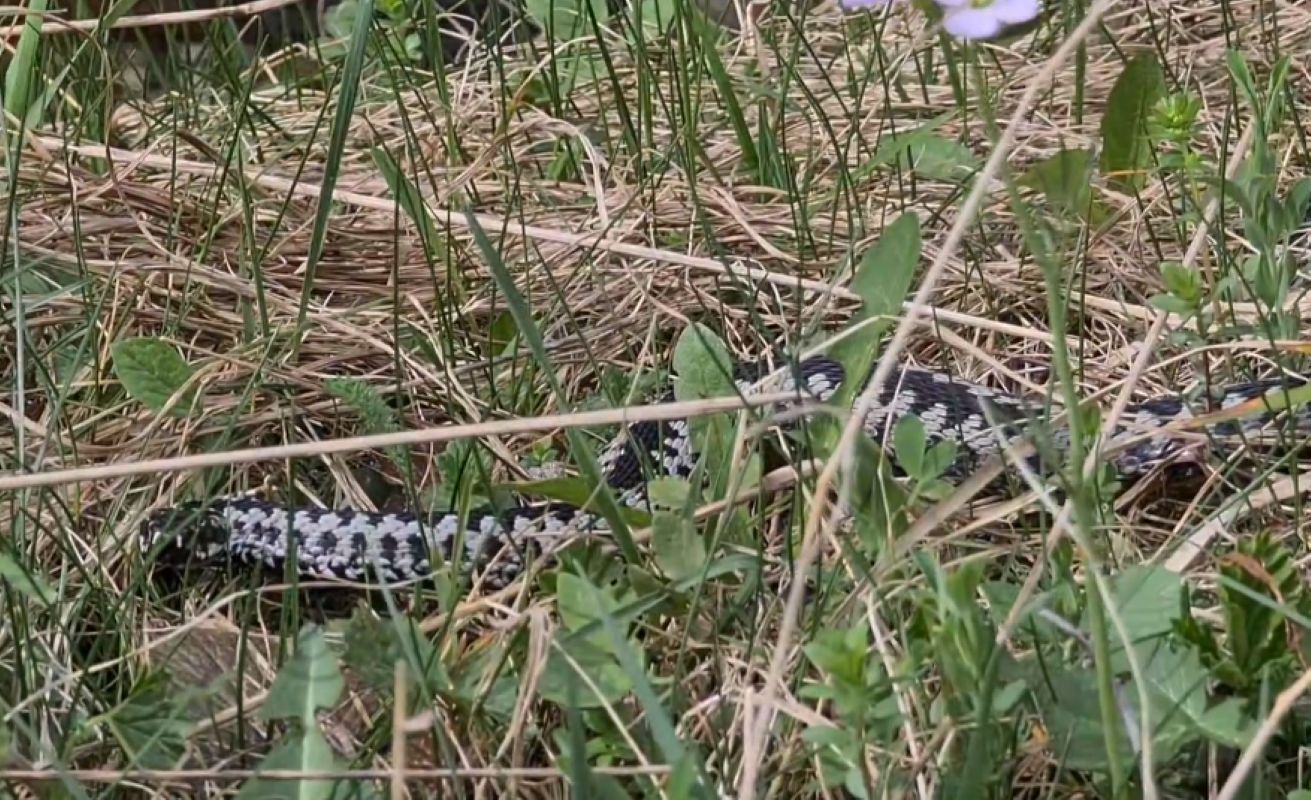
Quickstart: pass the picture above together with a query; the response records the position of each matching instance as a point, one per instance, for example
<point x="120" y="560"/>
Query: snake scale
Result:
<point x="354" y="545"/>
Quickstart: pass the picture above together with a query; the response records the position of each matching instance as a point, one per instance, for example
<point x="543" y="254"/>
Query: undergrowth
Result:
<point x="378" y="232"/>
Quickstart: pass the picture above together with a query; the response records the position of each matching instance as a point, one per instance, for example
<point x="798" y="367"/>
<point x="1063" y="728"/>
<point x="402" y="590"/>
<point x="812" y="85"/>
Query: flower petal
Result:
<point x="1013" y="12"/>
<point x="971" y="23"/>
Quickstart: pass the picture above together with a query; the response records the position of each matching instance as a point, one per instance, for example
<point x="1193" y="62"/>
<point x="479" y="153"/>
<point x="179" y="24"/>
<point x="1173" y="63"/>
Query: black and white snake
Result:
<point x="352" y="545"/>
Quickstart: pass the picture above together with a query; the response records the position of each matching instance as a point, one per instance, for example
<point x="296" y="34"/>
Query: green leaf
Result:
<point x="928" y="152"/>
<point x="581" y="604"/>
<point x="308" y="681"/>
<point x="938" y="158"/>
<point x="339" y="20"/>
<point x="29" y="584"/>
<point x="840" y="653"/>
<point x="22" y="77"/>
<point x="882" y="280"/>
<point x="669" y="494"/>
<point x="1126" y="144"/>
<point x="373" y="646"/>
<point x="1228" y="723"/>
<point x="1181" y="281"/>
<point x="152" y="371"/>
<point x="576" y="658"/>
<point x="1071" y="713"/>
<point x="1256" y="614"/>
<point x="703" y="365"/>
<point x="305" y="751"/>
<point x="1178" y="680"/>
<point x="1298" y="201"/>
<point x="565" y="20"/>
<point x="1171" y="304"/>
<point x="909" y="441"/>
<point x="939" y="458"/>
<point x="1065" y="178"/>
<point x="150" y="726"/>
<point x="704" y="369"/>
<point x="678" y="547"/>
<point x="1148" y="599"/>
<point x="501" y="334"/>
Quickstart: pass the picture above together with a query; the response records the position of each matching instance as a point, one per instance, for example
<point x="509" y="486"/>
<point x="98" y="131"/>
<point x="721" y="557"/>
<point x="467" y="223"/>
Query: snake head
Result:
<point x="188" y="531"/>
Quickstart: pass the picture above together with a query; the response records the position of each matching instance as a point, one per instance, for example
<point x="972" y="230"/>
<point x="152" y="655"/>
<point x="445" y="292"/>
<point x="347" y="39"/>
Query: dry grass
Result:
<point x="212" y="255"/>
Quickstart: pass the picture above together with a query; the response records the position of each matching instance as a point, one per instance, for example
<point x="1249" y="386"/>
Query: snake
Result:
<point x="346" y="544"/>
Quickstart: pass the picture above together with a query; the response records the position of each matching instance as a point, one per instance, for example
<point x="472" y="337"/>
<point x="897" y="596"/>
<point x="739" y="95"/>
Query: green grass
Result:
<point x="178" y="298"/>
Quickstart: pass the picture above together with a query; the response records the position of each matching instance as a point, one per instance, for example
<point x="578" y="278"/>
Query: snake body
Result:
<point x="399" y="546"/>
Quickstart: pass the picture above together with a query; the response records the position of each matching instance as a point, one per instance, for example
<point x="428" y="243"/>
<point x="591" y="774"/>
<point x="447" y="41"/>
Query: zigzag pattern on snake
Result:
<point x="350" y="544"/>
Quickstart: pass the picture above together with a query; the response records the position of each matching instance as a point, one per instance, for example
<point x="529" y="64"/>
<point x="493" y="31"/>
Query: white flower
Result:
<point x="984" y="19"/>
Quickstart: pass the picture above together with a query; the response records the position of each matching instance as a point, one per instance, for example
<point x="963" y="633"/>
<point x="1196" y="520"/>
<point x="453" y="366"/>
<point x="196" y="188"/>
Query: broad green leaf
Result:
<point x="152" y="371"/>
<point x="669" y="494"/>
<point x="1073" y="720"/>
<point x="27" y="583"/>
<point x="1181" y="281"/>
<point x="567" y="489"/>
<point x="938" y="158"/>
<point x="704" y="369"/>
<point x="1065" y="178"/>
<point x="576" y="659"/>
<point x="501" y="334"/>
<point x="151" y="725"/>
<point x="339" y="20"/>
<point x="309" y="681"/>
<point x="703" y="365"/>
<point x="497" y="702"/>
<point x="1126" y="146"/>
<point x="734" y="563"/>
<point x="678" y="547"/>
<point x="882" y="280"/>
<point x="1148" y="599"/>
<point x="1299" y="200"/>
<point x="909" y="441"/>
<point x="940" y="456"/>
<point x="1171" y="304"/>
<point x="1178" y="675"/>
<point x="566" y="20"/>
<point x="581" y="604"/>
<point x="840" y="653"/>
<point x="893" y="147"/>
<point x="304" y="751"/>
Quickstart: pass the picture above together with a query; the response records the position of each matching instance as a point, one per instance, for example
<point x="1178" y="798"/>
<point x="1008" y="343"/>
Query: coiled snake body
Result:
<point x="350" y="544"/>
